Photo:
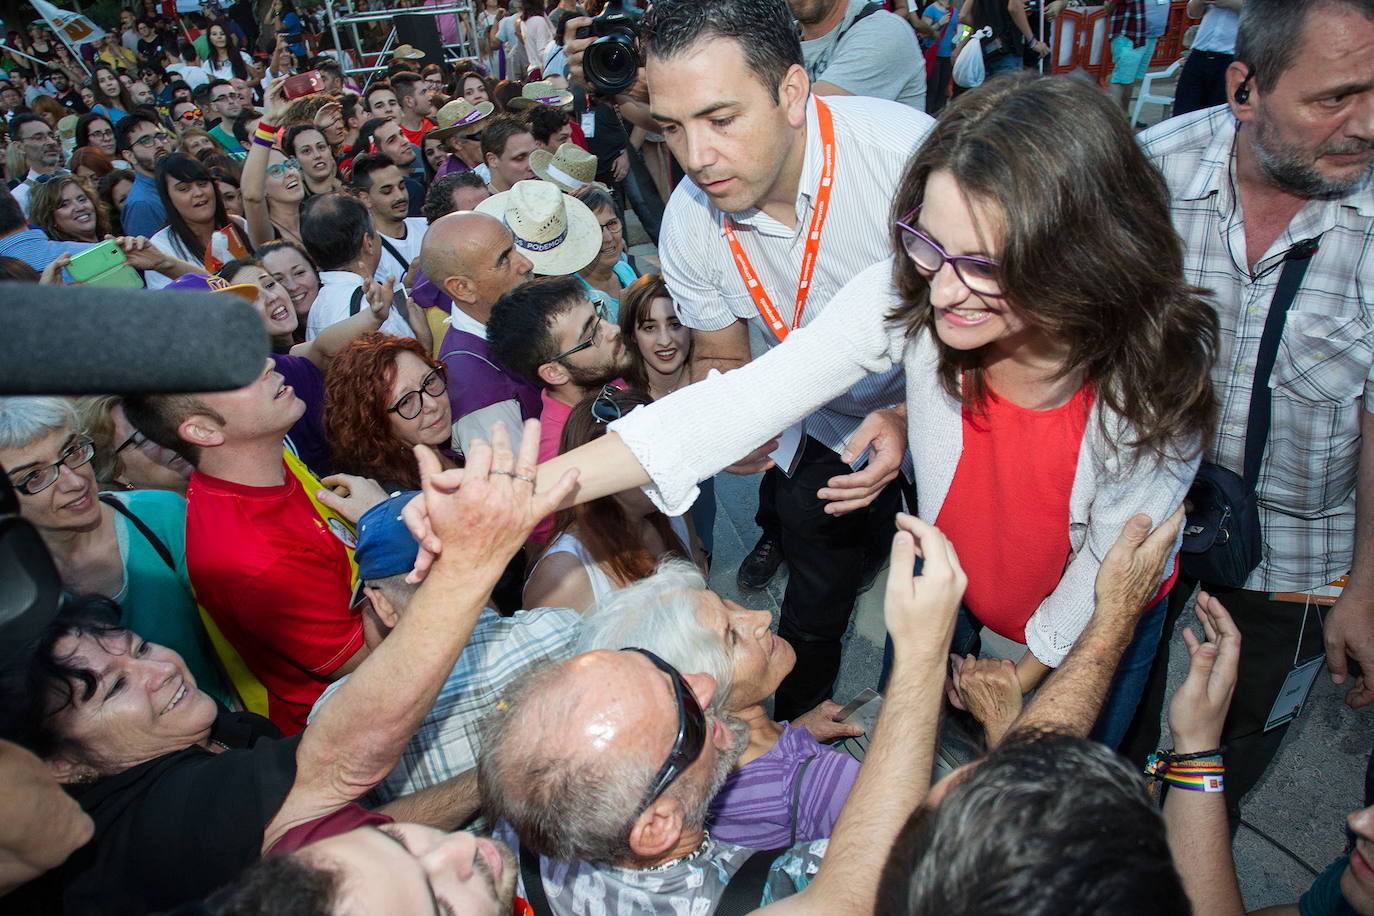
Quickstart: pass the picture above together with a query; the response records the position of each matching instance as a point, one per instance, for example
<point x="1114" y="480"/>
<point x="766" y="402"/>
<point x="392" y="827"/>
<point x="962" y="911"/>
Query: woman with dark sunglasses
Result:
<point x="604" y="545"/>
<point x="1056" y="367"/>
<point x="383" y="396"/>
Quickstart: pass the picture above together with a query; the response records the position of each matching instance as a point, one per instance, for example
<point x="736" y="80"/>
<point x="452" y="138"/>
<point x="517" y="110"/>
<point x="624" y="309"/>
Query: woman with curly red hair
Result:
<point x="383" y="395"/>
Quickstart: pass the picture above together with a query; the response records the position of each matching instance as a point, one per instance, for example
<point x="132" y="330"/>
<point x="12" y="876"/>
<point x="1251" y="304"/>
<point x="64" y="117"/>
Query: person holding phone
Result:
<point x="1056" y="384"/>
<point x="199" y="229"/>
<point x="272" y="185"/>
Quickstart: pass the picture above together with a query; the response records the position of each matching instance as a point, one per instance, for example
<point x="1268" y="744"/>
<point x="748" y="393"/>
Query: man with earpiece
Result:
<point x="1271" y="195"/>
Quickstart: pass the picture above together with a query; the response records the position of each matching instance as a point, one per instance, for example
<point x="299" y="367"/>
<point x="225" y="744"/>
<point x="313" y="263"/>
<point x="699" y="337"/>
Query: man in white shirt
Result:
<point x="382" y="184"/>
<point x="42" y="153"/>
<point x="339" y="235"/>
<point x="727" y="84"/>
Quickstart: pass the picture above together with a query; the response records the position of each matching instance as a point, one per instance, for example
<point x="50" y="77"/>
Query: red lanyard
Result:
<point x="821" y="205"/>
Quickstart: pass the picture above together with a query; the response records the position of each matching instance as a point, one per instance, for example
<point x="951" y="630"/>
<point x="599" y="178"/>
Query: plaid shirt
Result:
<point x="499" y="651"/>
<point x="1128" y="21"/>
<point x="1325" y="364"/>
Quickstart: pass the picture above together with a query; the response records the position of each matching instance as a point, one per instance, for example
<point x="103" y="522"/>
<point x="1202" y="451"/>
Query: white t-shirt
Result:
<point x="408" y="248"/>
<point x="224" y="70"/>
<point x="193" y="74"/>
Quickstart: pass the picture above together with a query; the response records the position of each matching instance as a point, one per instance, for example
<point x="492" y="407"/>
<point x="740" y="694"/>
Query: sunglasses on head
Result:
<point x="691" y="730"/>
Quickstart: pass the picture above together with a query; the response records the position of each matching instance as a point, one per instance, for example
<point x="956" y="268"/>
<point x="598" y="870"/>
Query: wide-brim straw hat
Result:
<point x="407" y="52"/>
<point x="457" y="115"/>
<point x="540" y="92"/>
<point x="559" y="234"/>
<point x="571" y="168"/>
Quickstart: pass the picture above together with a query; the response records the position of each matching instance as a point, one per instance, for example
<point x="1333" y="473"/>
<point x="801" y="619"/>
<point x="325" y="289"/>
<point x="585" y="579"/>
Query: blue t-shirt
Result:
<point x="1324" y="897"/>
<point x="143" y="211"/>
<point x="949" y="30"/>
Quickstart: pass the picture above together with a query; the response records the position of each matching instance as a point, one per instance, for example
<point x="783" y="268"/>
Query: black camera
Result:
<point x="611" y="63"/>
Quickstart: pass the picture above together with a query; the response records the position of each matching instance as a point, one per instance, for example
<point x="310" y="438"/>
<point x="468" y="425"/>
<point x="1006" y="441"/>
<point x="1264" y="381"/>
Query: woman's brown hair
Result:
<point x="635" y="303"/>
<point x="47" y="197"/>
<point x="602" y="525"/>
<point x="1089" y="253"/>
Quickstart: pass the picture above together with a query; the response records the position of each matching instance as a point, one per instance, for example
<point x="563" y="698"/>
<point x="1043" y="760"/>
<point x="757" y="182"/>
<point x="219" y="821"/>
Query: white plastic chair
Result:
<point x="1147" y="82"/>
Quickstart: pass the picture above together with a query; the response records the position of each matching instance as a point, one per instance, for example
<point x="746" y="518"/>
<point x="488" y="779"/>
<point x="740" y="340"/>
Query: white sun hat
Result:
<point x="558" y="233"/>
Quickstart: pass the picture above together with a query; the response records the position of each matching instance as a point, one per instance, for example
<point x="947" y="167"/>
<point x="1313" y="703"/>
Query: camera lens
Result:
<point x="611" y="64"/>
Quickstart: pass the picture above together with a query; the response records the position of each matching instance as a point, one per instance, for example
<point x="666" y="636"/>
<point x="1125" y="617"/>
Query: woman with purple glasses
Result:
<point x="1056" y="368"/>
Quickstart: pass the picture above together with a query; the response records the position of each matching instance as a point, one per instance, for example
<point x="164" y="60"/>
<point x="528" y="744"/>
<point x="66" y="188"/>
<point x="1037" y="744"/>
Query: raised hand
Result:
<point x="1198" y="709"/>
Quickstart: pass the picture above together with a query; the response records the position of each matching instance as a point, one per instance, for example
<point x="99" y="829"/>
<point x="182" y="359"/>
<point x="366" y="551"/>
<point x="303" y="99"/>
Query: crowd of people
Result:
<point x="421" y="621"/>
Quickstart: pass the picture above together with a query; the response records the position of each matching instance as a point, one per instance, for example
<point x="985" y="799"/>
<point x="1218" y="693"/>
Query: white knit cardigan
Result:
<point x="700" y="429"/>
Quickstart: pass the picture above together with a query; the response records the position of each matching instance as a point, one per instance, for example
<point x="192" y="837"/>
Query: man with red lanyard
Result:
<point x="787" y="200"/>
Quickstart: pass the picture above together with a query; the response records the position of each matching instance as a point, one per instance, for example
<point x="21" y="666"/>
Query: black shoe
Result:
<point x="874" y="561"/>
<point x="763" y="561"/>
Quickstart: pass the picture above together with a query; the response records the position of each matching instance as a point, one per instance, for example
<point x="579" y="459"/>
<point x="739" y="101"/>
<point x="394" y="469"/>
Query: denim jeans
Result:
<point x="1128" y="684"/>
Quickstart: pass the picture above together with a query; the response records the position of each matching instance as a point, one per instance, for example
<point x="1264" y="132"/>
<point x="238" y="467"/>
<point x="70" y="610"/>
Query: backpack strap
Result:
<point x="355" y="302"/>
<point x="796" y="798"/>
<point x="143" y="529"/>
<point x="745" y="890"/>
<point x="533" y="882"/>
<point x="405" y="265"/>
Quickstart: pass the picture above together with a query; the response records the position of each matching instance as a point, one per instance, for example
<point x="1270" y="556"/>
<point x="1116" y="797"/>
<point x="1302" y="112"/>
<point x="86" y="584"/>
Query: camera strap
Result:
<point x="820" y="208"/>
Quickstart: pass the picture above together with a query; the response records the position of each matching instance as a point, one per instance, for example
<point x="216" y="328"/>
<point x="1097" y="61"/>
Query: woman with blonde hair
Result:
<point x="66" y="209"/>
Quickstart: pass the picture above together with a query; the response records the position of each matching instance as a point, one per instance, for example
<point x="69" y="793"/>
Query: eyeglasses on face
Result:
<point x="189" y="114"/>
<point x="147" y="140"/>
<point x="280" y="169"/>
<point x="106" y="134"/>
<point x="612" y="226"/>
<point x="42" y="137"/>
<point x="410" y="404"/>
<point x="604" y="408"/>
<point x="981" y="275"/>
<point x="216" y="99"/>
<point x="601" y="315"/>
<point x="78" y="453"/>
<point x="691" y="730"/>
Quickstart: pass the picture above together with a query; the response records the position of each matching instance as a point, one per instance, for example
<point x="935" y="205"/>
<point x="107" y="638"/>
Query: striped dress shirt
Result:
<point x="1325" y="366"/>
<point x="874" y="139"/>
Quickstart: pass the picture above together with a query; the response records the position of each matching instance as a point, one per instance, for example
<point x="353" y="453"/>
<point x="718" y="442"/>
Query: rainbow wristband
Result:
<point x="266" y="135"/>
<point x="1197" y="774"/>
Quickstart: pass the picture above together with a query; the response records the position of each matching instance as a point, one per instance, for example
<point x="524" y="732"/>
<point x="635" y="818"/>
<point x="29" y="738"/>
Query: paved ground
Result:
<point x="1293" y="823"/>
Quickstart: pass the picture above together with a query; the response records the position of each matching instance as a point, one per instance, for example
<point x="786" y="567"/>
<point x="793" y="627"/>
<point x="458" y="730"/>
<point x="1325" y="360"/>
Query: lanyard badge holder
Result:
<point x="791" y="441"/>
<point x="1298" y="684"/>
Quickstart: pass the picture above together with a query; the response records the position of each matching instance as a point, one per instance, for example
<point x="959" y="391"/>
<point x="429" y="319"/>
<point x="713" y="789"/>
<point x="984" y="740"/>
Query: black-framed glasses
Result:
<point x="981" y="275"/>
<point x="691" y="730"/>
<point x="412" y="402"/>
<point x="281" y="168"/>
<point x="604" y="408"/>
<point x="601" y="315"/>
<point x="148" y="140"/>
<point x="76" y="455"/>
<point x="106" y="134"/>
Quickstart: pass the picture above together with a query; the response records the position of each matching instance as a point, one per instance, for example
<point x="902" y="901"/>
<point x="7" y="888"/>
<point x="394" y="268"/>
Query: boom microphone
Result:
<point x="90" y="340"/>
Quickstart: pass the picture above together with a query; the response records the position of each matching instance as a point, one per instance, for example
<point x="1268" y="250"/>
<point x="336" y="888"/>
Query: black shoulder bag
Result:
<point x="1222" y="539"/>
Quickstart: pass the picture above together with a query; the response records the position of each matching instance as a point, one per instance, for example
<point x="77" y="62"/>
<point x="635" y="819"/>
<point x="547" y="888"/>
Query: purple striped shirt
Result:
<point x="754" y="807"/>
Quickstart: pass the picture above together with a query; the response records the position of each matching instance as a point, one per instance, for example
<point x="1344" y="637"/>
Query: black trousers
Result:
<point x="1269" y="633"/>
<point x="825" y="557"/>
<point x="1201" y="84"/>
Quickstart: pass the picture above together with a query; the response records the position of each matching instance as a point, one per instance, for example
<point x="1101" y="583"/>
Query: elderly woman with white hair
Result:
<point x="787" y="787"/>
<point x="128" y="546"/>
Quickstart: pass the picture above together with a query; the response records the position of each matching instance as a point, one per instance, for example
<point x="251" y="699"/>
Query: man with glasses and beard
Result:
<point x="549" y="332"/>
<point x="1285" y="161"/>
<point x="142" y="141"/>
<point x="227" y="105"/>
<point x="42" y="153"/>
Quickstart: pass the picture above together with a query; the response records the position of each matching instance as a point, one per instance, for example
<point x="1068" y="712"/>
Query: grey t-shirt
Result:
<point x="878" y="56"/>
<point x="693" y="886"/>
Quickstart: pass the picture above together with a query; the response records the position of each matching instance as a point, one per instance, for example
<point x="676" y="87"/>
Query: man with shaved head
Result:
<point x="473" y="258"/>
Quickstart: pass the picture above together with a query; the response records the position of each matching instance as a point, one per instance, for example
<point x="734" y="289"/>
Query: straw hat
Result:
<point x="541" y="92"/>
<point x="571" y="168"/>
<point x="558" y="233"/>
<point x="458" y="114"/>
<point x="406" y="52"/>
